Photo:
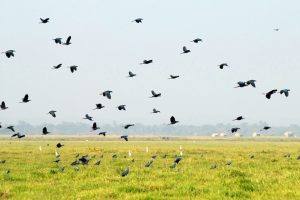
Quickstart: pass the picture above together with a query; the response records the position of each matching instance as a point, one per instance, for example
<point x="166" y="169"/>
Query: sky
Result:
<point x="106" y="45"/>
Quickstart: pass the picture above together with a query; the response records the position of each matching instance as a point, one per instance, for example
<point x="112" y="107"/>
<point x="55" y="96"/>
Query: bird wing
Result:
<point x="69" y="39"/>
<point x="172" y="119"/>
<point x="26" y="97"/>
<point x="153" y="93"/>
<point x="184" y="48"/>
<point x="108" y="95"/>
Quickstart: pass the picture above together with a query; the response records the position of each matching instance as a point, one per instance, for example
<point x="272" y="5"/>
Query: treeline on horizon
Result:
<point x="141" y="129"/>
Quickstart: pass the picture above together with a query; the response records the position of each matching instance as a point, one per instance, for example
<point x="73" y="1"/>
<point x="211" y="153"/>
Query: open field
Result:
<point x="34" y="175"/>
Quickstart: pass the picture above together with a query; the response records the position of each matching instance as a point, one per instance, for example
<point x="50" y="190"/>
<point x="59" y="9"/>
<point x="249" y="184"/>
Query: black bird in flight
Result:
<point x="73" y="68"/>
<point x="155" y="111"/>
<point x="88" y="117"/>
<point x="125" y="137"/>
<point x="121" y="107"/>
<point x="107" y="94"/>
<point x="25" y="99"/>
<point x="58" y="40"/>
<point x="102" y="133"/>
<point x="131" y="74"/>
<point x="99" y="106"/>
<point x="270" y="93"/>
<point x="15" y="134"/>
<point x="12" y="128"/>
<point x="57" y="66"/>
<point x="238" y="118"/>
<point x="128" y="125"/>
<point x="197" y="40"/>
<point x="265" y="128"/>
<point x="251" y="82"/>
<point x="18" y="135"/>
<point x="154" y="94"/>
<point x="95" y="127"/>
<point x="9" y="53"/>
<point x="138" y="20"/>
<point x="45" y="131"/>
<point x="241" y="84"/>
<point x="233" y="130"/>
<point x="285" y="92"/>
<point x="3" y="106"/>
<point x="173" y="120"/>
<point x="146" y="62"/>
<point x="52" y="113"/>
<point x="173" y="76"/>
<point x="59" y="145"/>
<point x="223" y="65"/>
<point x="185" y="50"/>
<point x="44" y="21"/>
<point x="68" y="41"/>
<point x="126" y="172"/>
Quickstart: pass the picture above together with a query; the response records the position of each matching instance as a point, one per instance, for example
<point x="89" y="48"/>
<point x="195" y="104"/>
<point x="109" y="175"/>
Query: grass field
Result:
<point x="34" y="175"/>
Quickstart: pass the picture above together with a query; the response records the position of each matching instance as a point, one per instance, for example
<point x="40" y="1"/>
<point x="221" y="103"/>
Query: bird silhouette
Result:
<point x="185" y="50"/>
<point x="18" y="135"/>
<point x="265" y="128"/>
<point x="121" y="107"/>
<point x="44" y="21"/>
<point x="68" y="41"/>
<point x="251" y="82"/>
<point x="146" y="62"/>
<point x="98" y="162"/>
<point x="45" y="131"/>
<point x="95" y="127"/>
<point x="241" y="84"/>
<point x="126" y="172"/>
<point x="138" y="20"/>
<point x="197" y="40"/>
<point x="9" y="53"/>
<point x="59" y="145"/>
<point x="233" y="130"/>
<point x="228" y="163"/>
<point x="25" y="99"/>
<point x="88" y="117"/>
<point x="154" y="94"/>
<point x="3" y="106"/>
<point x="73" y="68"/>
<point x="131" y="74"/>
<point x="173" y="76"/>
<point x="58" y="40"/>
<point x="57" y="66"/>
<point x="238" y="118"/>
<point x="155" y="111"/>
<point x="12" y="128"/>
<point x="107" y="94"/>
<point x="270" y="93"/>
<point x="173" y="120"/>
<point x="285" y="92"/>
<point x="102" y="133"/>
<point x="149" y="163"/>
<point x="125" y="137"/>
<point x="128" y="125"/>
<point x="52" y="113"/>
<point x="223" y="65"/>
<point x="99" y="106"/>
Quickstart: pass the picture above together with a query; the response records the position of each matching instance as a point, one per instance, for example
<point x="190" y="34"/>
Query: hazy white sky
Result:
<point x="106" y="45"/>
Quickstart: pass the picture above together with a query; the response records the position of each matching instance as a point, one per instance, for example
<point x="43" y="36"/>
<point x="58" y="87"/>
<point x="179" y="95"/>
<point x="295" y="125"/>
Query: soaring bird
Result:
<point x="44" y="21"/>
<point x="138" y="20"/>
<point x="68" y="41"/>
<point x="121" y="107"/>
<point x="185" y="50"/>
<point x="270" y="93"/>
<point x="223" y="65"/>
<point x="251" y="82"/>
<point x="125" y="173"/>
<point x="59" y="145"/>
<point x="12" y="128"/>
<point x="265" y="128"/>
<point x="148" y="164"/>
<point x="131" y="74"/>
<point x="146" y="62"/>
<point x="95" y="127"/>
<point x="155" y="111"/>
<point x="285" y="92"/>
<point x="99" y="106"/>
<point x="45" y="131"/>
<point x="238" y="118"/>
<point x="18" y="135"/>
<point x="154" y="94"/>
<point x="241" y="84"/>
<point x="173" y="120"/>
<point x="25" y="99"/>
<point x="233" y="130"/>
<point x="128" y="125"/>
<point x="107" y="94"/>
<point x="73" y="68"/>
<point x="197" y="40"/>
<point x="173" y="76"/>
<point x="58" y="40"/>
<point x="88" y="117"/>
<point x="15" y="134"/>
<point x="125" y="137"/>
<point x="3" y="106"/>
<point x="57" y="66"/>
<point x="102" y="133"/>
<point x="9" y="53"/>
<point x="52" y="113"/>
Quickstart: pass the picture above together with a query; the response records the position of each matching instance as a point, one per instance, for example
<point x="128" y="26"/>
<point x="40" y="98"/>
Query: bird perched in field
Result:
<point x="155" y="111"/>
<point x="173" y="120"/>
<point x="131" y="74"/>
<point x="252" y="156"/>
<point x="9" y="53"/>
<point x="270" y="93"/>
<point x="68" y="41"/>
<point x="98" y="162"/>
<point x="154" y="94"/>
<point x="298" y="158"/>
<point x="114" y="156"/>
<point x="57" y="66"/>
<point x="197" y="40"/>
<point x="76" y="162"/>
<point x="44" y="21"/>
<point x="285" y="92"/>
<point x="121" y="107"/>
<point x="59" y="145"/>
<point x="73" y="68"/>
<point x="12" y="128"/>
<point x="149" y="163"/>
<point x="58" y="40"/>
<point x="76" y="169"/>
<point x="2" y="161"/>
<point x="173" y="165"/>
<point x="125" y="137"/>
<point x="213" y="166"/>
<point x="95" y="127"/>
<point x="173" y="76"/>
<point x="128" y="126"/>
<point x="25" y="99"/>
<point x="228" y="163"/>
<point x="251" y="82"/>
<point x="223" y="65"/>
<point x="265" y="128"/>
<point x="241" y="84"/>
<point x="3" y="106"/>
<point x="146" y="62"/>
<point x="88" y="117"/>
<point x="99" y="106"/>
<point x="185" y="50"/>
<point x="7" y="171"/>
<point x="52" y="113"/>
<point x="62" y="169"/>
<point x="102" y="133"/>
<point x="238" y="118"/>
<point x="138" y="20"/>
<point x="233" y="130"/>
<point x="84" y="160"/>
<point x="45" y="131"/>
<point x="125" y="173"/>
<point x="107" y="94"/>
<point x="178" y="159"/>
<point x="57" y="160"/>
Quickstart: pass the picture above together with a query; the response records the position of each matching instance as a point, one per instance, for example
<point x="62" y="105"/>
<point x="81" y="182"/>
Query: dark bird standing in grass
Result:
<point x="173" y="120"/>
<point x="25" y="99"/>
<point x="270" y="93"/>
<point x="3" y="106"/>
<point x="9" y="53"/>
<point x="44" y="21"/>
<point x="45" y="131"/>
<point x="128" y="126"/>
<point x="126" y="172"/>
<point x="149" y="163"/>
<point x="125" y="137"/>
<point x="154" y="94"/>
<point x="98" y="162"/>
<point x="228" y="163"/>
<point x="59" y="145"/>
<point x="238" y="118"/>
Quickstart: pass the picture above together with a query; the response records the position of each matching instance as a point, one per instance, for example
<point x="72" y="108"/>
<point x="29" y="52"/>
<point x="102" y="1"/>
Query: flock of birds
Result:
<point x="108" y="95"/>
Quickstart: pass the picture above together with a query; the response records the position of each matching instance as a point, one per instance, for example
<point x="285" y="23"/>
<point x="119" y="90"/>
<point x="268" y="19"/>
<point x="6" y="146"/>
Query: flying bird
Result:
<point x="238" y="118"/>
<point x="128" y="125"/>
<point x="265" y="128"/>
<point x="102" y="133"/>
<point x="95" y="127"/>
<point x="138" y="20"/>
<point x="9" y="53"/>
<point x="270" y="93"/>
<point x="52" y="113"/>
<point x="155" y="111"/>
<point x="99" y="106"/>
<point x="3" y="106"/>
<point x="18" y="135"/>
<point x="173" y="76"/>
<point x="88" y="117"/>
<point x="57" y="66"/>
<point x="12" y="128"/>
<point x="173" y="120"/>
<point x="68" y="41"/>
<point x="73" y="68"/>
<point x="45" y="131"/>
<point x="197" y="40"/>
<point x="121" y="107"/>
<point x="131" y="74"/>
<point x="126" y="172"/>
<point x="233" y="130"/>
<point x="185" y="50"/>
<point x="285" y="92"/>
<point x="25" y="99"/>
<point x="44" y="21"/>
<point x="146" y="62"/>
<point x="107" y="94"/>
<point x="251" y="82"/>
<point x="223" y="65"/>
<point x="154" y="94"/>
<point x="58" y="40"/>
<point x="241" y="84"/>
<point x="125" y="137"/>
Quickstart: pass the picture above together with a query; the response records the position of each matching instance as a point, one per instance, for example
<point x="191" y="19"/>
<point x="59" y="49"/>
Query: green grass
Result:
<point x="34" y="175"/>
